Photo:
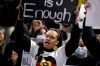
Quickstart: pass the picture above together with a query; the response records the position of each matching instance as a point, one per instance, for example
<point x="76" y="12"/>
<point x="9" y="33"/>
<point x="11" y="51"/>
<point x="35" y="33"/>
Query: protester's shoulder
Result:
<point x="61" y="49"/>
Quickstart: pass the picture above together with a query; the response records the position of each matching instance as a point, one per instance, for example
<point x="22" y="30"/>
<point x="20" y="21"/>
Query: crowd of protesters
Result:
<point x="36" y="44"/>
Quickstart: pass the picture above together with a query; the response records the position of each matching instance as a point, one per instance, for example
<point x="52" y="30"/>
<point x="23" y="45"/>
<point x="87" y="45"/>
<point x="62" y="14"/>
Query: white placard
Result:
<point x="26" y="59"/>
<point x="93" y="14"/>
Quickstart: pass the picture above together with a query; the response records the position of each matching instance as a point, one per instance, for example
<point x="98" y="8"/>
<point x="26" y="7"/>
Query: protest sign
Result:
<point x="93" y="14"/>
<point x="50" y="10"/>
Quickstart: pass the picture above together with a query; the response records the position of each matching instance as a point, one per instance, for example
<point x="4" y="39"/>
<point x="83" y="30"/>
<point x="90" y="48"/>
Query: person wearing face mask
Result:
<point x="40" y="35"/>
<point x="81" y="52"/>
<point x="89" y="36"/>
<point x="81" y="56"/>
<point x="35" y="27"/>
<point x="41" y="32"/>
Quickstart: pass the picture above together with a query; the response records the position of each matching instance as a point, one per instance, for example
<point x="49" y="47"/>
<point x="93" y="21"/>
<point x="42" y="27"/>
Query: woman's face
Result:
<point x="51" y="39"/>
<point x="35" y="25"/>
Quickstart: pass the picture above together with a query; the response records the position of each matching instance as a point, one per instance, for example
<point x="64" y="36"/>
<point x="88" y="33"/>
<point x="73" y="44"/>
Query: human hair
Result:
<point x="59" y="37"/>
<point x="44" y="27"/>
<point x="4" y="41"/>
<point x="31" y="29"/>
<point x="3" y="30"/>
<point x="66" y="25"/>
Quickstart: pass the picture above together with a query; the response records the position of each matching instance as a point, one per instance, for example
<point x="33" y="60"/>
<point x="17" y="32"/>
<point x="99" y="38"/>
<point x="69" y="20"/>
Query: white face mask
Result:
<point x="81" y="52"/>
<point x="41" y="36"/>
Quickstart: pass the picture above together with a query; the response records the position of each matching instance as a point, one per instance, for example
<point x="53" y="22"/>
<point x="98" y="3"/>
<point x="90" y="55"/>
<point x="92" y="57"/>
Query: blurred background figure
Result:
<point x="2" y="40"/>
<point x="41" y="32"/>
<point x="34" y="27"/>
<point x="2" y="44"/>
<point x="98" y="36"/>
<point x="37" y="31"/>
<point x="81" y="56"/>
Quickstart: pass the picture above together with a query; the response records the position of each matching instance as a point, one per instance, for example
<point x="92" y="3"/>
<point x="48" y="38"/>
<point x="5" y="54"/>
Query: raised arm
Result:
<point x="72" y="44"/>
<point x="22" y="39"/>
<point x="91" y="41"/>
<point x="21" y="33"/>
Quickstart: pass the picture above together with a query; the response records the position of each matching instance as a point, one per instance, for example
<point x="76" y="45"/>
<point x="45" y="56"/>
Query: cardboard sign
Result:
<point x="50" y="10"/>
<point x="93" y="14"/>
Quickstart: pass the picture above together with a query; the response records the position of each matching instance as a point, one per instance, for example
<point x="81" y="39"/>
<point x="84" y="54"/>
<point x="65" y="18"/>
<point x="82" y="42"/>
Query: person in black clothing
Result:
<point x="92" y="43"/>
<point x="8" y="53"/>
<point x="11" y="48"/>
<point x="81" y="56"/>
<point x="90" y="39"/>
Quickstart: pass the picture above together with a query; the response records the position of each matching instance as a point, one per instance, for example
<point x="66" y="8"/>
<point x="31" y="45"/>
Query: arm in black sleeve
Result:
<point x="91" y="41"/>
<point x="8" y="53"/>
<point x="72" y="44"/>
<point x="22" y="39"/>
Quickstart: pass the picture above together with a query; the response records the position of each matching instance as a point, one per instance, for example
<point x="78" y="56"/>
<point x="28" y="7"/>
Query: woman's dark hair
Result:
<point x="59" y="37"/>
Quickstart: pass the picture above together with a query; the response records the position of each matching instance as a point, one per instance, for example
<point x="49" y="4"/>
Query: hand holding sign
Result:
<point x="20" y="7"/>
<point x="87" y="5"/>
